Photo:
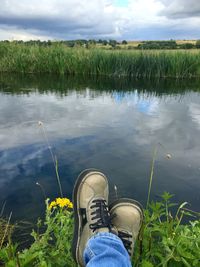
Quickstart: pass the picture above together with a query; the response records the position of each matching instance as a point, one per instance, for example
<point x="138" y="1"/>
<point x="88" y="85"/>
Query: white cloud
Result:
<point x="65" y="19"/>
<point x="145" y="11"/>
<point x="181" y="8"/>
<point x="14" y="33"/>
<point x="61" y="17"/>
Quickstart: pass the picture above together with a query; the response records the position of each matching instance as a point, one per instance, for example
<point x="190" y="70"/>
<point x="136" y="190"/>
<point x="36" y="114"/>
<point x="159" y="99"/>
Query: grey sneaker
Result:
<point x="91" y="214"/>
<point x="127" y="217"/>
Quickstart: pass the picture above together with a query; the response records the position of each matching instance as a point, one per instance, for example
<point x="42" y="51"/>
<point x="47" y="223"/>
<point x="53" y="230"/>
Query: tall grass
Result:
<point x="60" y="59"/>
<point x="54" y="159"/>
<point x="163" y="241"/>
<point x="151" y="175"/>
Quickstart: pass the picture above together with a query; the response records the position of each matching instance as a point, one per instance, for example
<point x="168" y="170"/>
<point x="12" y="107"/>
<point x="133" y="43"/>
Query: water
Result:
<point x="111" y="125"/>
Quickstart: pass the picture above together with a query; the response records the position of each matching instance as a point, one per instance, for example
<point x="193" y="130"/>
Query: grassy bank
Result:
<point x="163" y="241"/>
<point x="62" y="60"/>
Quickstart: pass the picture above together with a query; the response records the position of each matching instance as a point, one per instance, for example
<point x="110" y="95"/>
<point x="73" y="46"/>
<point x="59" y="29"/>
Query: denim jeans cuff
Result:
<point x="106" y="234"/>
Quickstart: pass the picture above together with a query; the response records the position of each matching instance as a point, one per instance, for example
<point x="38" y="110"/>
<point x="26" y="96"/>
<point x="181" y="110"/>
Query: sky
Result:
<point x="99" y="19"/>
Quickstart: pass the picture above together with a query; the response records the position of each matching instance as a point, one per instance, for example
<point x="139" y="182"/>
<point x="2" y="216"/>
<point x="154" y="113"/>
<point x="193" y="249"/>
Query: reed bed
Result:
<point x="115" y="63"/>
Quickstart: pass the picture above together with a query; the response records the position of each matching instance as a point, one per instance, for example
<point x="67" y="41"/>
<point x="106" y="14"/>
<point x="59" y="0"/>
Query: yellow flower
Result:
<point x="61" y="202"/>
<point x="70" y="205"/>
<point x="52" y="204"/>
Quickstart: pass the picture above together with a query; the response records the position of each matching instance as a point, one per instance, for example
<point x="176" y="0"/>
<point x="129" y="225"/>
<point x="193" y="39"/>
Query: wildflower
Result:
<point x="70" y="205"/>
<point x="52" y="204"/>
<point x="61" y="202"/>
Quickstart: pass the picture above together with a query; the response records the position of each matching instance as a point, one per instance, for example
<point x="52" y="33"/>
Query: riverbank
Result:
<point x="163" y="241"/>
<point x="60" y="59"/>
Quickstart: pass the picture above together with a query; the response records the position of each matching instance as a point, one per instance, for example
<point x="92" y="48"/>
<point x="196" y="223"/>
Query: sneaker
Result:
<point x="127" y="217"/>
<point x="91" y="214"/>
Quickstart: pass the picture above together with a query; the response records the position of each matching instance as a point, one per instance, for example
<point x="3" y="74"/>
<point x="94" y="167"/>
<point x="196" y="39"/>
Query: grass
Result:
<point x="59" y="59"/>
<point x="54" y="159"/>
<point x="163" y="240"/>
<point x="151" y="175"/>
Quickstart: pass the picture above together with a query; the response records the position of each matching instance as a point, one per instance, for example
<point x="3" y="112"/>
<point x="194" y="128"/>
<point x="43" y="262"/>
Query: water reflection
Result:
<point x="112" y="125"/>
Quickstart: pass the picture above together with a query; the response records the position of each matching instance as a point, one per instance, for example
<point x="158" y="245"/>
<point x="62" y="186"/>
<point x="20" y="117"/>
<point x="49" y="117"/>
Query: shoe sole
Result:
<point x="77" y="217"/>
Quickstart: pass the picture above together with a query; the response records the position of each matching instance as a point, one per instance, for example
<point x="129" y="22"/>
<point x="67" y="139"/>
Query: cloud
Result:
<point x="15" y="33"/>
<point x="118" y="19"/>
<point x="181" y="9"/>
<point x="61" y="18"/>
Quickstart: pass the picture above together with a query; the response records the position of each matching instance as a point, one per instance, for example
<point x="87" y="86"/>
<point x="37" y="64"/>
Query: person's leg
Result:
<point x="106" y="250"/>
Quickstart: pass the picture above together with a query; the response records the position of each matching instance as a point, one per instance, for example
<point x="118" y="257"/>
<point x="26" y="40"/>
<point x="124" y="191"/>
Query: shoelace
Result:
<point x="125" y="239"/>
<point x="101" y="215"/>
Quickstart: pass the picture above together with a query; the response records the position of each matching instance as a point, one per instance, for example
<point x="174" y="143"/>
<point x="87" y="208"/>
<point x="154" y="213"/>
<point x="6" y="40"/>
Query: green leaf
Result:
<point x="166" y="196"/>
<point x="185" y="262"/>
<point x="146" y="264"/>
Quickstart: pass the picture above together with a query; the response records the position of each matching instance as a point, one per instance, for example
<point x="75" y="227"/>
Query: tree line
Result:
<point x="168" y="45"/>
<point x="145" y="45"/>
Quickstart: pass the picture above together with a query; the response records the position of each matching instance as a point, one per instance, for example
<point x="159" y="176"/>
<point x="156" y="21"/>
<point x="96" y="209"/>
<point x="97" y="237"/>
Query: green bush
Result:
<point x="186" y="46"/>
<point x="158" y="45"/>
<point x="163" y="240"/>
<point x="124" y="42"/>
<point x="198" y="44"/>
<point x="51" y="248"/>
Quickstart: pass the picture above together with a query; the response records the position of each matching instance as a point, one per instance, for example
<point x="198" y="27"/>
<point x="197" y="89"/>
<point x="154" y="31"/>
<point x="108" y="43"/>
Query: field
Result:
<point x="60" y="59"/>
<point x="186" y="41"/>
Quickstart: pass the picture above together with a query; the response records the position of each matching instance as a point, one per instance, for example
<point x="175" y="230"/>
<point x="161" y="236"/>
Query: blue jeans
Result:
<point x="106" y="250"/>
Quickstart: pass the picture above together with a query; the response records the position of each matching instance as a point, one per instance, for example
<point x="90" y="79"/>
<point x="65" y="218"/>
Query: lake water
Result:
<point x="111" y="125"/>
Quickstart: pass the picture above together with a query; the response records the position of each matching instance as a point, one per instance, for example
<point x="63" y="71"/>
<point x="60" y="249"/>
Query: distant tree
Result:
<point x="92" y="42"/>
<point x="198" y="44"/>
<point x="124" y="42"/>
<point x="158" y="45"/>
<point x="187" y="46"/>
<point x="112" y="43"/>
<point x="71" y="43"/>
<point x="79" y="43"/>
<point x="105" y="42"/>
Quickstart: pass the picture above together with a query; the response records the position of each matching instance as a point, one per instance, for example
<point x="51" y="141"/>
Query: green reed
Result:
<point x="63" y="60"/>
<point x="54" y="160"/>
<point x="151" y="175"/>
